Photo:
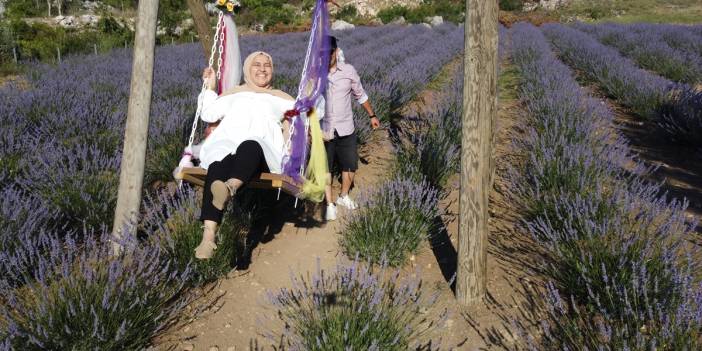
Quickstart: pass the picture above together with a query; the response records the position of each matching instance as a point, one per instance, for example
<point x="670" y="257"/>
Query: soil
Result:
<point x="677" y="168"/>
<point x="239" y="313"/>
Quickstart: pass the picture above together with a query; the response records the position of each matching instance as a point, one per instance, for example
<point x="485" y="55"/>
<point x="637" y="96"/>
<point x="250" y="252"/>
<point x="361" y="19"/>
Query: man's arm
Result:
<point x="375" y="123"/>
<point x="360" y="94"/>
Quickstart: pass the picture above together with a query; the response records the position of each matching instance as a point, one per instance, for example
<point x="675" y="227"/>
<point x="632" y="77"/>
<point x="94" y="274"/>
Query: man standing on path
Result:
<point x="338" y="127"/>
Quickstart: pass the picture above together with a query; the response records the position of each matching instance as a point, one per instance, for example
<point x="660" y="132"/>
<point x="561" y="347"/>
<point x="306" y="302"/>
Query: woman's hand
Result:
<point x="210" y="78"/>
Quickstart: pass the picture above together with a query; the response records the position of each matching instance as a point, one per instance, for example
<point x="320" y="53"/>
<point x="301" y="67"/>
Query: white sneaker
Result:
<point x="346" y="202"/>
<point x="331" y="212"/>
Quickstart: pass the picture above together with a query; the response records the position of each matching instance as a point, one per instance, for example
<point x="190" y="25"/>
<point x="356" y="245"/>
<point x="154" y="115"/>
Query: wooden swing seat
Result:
<point x="197" y="175"/>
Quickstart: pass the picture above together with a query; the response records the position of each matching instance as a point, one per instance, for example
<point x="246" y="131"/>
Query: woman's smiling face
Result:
<point x="261" y="71"/>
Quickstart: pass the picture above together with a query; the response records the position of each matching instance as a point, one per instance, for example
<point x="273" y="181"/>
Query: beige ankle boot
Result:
<point x="206" y="248"/>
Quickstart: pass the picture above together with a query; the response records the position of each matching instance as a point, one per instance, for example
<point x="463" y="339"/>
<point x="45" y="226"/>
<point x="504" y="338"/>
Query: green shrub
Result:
<point x="450" y="10"/>
<point x="26" y="8"/>
<point x="128" y="4"/>
<point x="171" y="13"/>
<point x="348" y="13"/>
<point x="267" y="12"/>
<point x="387" y="15"/>
<point x="511" y="5"/>
<point x="40" y="41"/>
<point x="108" y="24"/>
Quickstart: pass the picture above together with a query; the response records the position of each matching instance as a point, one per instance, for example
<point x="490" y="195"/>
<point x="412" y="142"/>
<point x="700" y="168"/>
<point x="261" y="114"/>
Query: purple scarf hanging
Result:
<point x="312" y="86"/>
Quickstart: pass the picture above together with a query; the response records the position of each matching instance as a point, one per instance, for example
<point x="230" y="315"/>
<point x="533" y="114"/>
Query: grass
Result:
<point x="630" y="11"/>
<point x="508" y="84"/>
<point x="444" y="76"/>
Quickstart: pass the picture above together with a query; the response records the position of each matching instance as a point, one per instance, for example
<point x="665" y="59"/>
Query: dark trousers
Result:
<point x="247" y="162"/>
<point x="343" y="150"/>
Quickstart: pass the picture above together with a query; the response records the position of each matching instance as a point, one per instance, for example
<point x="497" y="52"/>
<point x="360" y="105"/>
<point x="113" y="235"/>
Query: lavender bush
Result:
<point x="392" y="221"/>
<point x="353" y="308"/>
<point x="649" y="324"/>
<point x="78" y="182"/>
<point x="681" y="117"/>
<point x="428" y="142"/>
<point x="637" y="89"/>
<point x="642" y="43"/>
<point x="60" y="157"/>
<point x="685" y="38"/>
<point x="648" y="95"/>
<point x="616" y="247"/>
<point x="174" y="221"/>
<point x="432" y="156"/>
<point x="22" y="229"/>
<point x="85" y="298"/>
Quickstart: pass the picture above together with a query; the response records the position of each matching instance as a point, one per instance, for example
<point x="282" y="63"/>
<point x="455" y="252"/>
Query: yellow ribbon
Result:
<point x="317" y="169"/>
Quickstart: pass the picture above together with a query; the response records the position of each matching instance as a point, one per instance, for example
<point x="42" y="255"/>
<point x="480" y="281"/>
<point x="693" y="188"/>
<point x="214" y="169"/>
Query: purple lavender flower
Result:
<point x="615" y="245"/>
<point x="353" y="307"/>
<point x="393" y="220"/>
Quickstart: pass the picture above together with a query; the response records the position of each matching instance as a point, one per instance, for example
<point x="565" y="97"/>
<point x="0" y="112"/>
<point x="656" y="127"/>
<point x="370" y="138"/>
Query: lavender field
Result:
<point x="618" y="254"/>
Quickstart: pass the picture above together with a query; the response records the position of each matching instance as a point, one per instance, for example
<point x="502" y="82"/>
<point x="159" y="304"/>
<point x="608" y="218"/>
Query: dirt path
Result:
<point x="239" y="299"/>
<point x="679" y="168"/>
<point x="234" y="323"/>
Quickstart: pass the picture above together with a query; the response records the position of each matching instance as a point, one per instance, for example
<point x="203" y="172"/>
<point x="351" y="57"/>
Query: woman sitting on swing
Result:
<point x="249" y="139"/>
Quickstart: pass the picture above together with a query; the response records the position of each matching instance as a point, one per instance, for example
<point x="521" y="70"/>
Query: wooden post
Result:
<point x="136" y="131"/>
<point x="95" y="49"/>
<point x="14" y="54"/>
<point x="202" y="24"/>
<point x="479" y="109"/>
<point x="58" y="54"/>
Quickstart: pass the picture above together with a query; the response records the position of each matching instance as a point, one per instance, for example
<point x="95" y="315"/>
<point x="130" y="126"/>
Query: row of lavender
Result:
<point x="675" y="108"/>
<point x="622" y="276"/>
<point x="58" y="182"/>
<point x="671" y="51"/>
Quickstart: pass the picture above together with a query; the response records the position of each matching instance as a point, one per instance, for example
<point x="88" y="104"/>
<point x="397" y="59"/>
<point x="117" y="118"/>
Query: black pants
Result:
<point x="343" y="150"/>
<point x="247" y="162"/>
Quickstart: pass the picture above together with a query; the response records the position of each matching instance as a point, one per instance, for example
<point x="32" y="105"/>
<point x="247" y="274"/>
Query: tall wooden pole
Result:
<point x="479" y="111"/>
<point x="134" y="152"/>
<point x="202" y="24"/>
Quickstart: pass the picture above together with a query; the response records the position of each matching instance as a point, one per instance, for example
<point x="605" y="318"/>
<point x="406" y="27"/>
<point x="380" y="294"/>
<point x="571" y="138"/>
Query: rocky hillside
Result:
<point x="371" y="7"/>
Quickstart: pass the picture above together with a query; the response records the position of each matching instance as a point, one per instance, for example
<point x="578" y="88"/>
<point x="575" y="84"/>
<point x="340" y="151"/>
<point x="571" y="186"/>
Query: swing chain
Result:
<point x="221" y="51"/>
<point x="204" y="84"/>
<point x="216" y="38"/>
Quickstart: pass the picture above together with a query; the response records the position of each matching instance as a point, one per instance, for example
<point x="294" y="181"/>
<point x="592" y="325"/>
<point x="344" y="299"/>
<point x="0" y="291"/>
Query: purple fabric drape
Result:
<point x="312" y="87"/>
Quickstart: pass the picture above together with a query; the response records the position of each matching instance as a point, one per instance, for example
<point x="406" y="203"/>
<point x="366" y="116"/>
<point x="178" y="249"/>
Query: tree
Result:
<point x="479" y="112"/>
<point x="202" y="24"/>
<point x="136" y="131"/>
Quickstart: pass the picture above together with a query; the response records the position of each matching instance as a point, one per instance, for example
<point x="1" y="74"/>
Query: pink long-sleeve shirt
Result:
<point x="344" y="83"/>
